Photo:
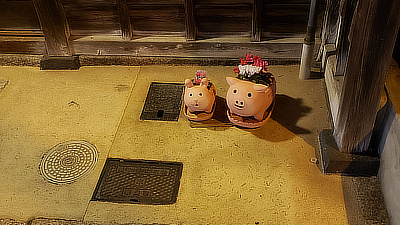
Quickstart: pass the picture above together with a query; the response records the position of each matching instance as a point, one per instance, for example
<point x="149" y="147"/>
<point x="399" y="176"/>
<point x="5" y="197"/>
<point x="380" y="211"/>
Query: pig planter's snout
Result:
<point x="249" y="104"/>
<point x="239" y="104"/>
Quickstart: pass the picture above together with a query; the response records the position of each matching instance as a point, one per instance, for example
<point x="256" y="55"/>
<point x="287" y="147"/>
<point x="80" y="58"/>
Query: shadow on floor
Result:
<point x="219" y="120"/>
<point x="288" y="111"/>
<point x="220" y="110"/>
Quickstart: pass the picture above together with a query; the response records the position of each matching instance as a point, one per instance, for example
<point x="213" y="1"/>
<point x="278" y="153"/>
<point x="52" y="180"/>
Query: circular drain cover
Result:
<point x="68" y="162"/>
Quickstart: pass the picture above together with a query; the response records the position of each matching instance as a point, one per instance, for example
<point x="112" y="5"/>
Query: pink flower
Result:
<point x="201" y="74"/>
<point x="236" y="70"/>
<point x="249" y="58"/>
<point x="252" y="60"/>
<point x="258" y="62"/>
<point x="265" y="64"/>
<point x="196" y="81"/>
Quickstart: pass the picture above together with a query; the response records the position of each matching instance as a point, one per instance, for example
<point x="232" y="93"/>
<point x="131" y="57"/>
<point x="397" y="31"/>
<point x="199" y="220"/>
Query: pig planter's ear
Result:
<point x="188" y="83"/>
<point x="231" y="80"/>
<point x="260" y="87"/>
<point x="204" y="82"/>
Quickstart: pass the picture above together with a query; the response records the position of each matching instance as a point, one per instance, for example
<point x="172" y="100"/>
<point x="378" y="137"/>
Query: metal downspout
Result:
<point x="309" y="41"/>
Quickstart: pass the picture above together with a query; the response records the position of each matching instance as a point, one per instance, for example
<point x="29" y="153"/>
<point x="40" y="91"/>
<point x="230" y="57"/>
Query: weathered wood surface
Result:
<point x="21" y="33"/>
<point x="284" y="20"/>
<point x="347" y="11"/>
<point x="157" y="17"/>
<point x="190" y="49"/>
<point x="92" y="17"/>
<point x="33" y="47"/>
<point x="54" y="26"/>
<point x="330" y="30"/>
<point x="154" y="2"/>
<point x="256" y="21"/>
<point x="215" y="48"/>
<point x="372" y="41"/>
<point x="224" y="18"/>
<point x="18" y="15"/>
<point x="286" y="2"/>
<point x="223" y="2"/>
<point x="330" y="26"/>
<point x="280" y="18"/>
<point x="124" y="19"/>
<point x="191" y="28"/>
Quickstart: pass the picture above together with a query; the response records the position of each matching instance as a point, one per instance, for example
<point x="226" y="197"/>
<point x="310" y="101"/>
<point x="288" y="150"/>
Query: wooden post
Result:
<point x="374" y="29"/>
<point x="54" y="26"/>
<point x="191" y="28"/>
<point x="256" y="21"/>
<point x="124" y="19"/>
<point x="342" y="48"/>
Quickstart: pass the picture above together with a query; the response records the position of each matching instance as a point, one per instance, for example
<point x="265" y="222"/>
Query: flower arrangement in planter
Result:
<point x="251" y="95"/>
<point x="199" y="97"/>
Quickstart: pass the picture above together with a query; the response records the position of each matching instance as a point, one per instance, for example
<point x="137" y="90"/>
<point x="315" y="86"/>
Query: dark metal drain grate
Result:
<point x="139" y="181"/>
<point x="163" y="102"/>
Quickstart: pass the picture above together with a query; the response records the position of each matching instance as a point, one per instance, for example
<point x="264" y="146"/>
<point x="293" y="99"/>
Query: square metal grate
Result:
<point x="139" y="182"/>
<point x="163" y="102"/>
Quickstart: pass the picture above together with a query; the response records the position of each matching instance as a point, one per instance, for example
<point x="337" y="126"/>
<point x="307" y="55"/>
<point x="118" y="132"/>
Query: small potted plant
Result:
<point x="199" y="98"/>
<point x="251" y="95"/>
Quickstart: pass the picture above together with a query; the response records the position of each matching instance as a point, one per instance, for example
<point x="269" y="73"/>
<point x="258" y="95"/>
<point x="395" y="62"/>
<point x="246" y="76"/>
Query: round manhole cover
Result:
<point x="68" y="162"/>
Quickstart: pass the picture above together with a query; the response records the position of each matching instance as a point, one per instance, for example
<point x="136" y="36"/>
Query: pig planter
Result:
<point x="251" y="96"/>
<point x="199" y="100"/>
<point x="249" y="104"/>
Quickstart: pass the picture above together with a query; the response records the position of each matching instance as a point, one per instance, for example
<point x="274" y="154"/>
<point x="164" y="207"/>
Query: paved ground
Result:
<point x="230" y="176"/>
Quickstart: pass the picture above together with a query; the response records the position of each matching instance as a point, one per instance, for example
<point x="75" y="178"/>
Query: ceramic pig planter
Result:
<point x="199" y="100"/>
<point x="249" y="104"/>
<point x="251" y="96"/>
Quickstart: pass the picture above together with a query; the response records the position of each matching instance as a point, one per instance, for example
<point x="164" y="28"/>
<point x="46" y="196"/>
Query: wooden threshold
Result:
<point x="224" y="47"/>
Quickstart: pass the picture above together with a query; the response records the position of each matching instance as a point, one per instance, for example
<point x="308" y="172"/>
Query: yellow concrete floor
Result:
<point x="230" y="175"/>
<point x="36" y="114"/>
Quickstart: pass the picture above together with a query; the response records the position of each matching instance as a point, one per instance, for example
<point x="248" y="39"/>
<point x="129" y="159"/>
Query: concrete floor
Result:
<point x="230" y="175"/>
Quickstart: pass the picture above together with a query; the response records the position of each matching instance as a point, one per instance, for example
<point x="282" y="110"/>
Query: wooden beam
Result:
<point x="54" y="26"/>
<point x="374" y="29"/>
<point x="191" y="28"/>
<point x="256" y="21"/>
<point x="286" y="52"/>
<point x="189" y="49"/>
<point x="347" y="12"/>
<point x="124" y="19"/>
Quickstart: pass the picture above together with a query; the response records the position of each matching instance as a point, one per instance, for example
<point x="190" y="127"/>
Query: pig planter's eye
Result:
<point x="200" y="94"/>
<point x="249" y="95"/>
<point x="235" y="91"/>
<point x="190" y="94"/>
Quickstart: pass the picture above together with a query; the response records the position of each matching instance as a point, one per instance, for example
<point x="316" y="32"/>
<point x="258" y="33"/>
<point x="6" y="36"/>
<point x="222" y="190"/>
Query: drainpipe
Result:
<point x="309" y="41"/>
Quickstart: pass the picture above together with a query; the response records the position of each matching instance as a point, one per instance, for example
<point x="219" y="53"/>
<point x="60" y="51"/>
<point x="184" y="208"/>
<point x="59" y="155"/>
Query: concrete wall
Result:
<point x="389" y="171"/>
